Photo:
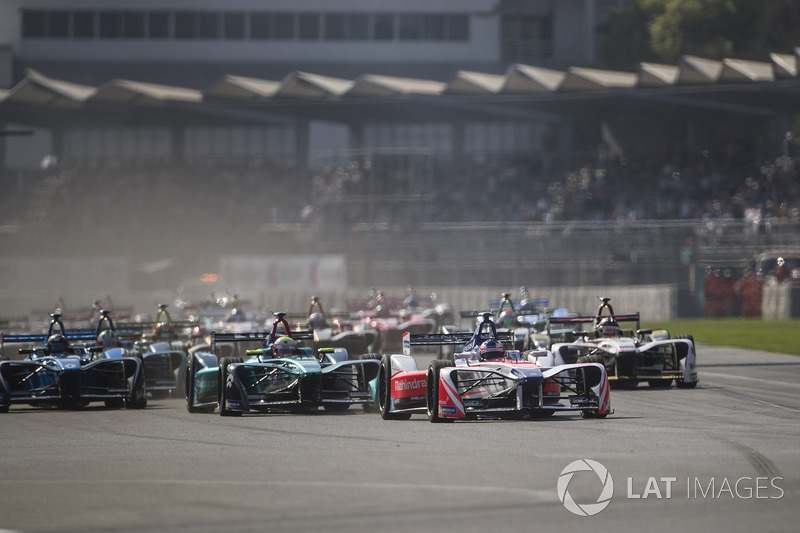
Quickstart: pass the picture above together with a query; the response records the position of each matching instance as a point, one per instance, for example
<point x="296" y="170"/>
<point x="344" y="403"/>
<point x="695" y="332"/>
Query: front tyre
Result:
<point x="384" y="392"/>
<point x="432" y="387"/>
<point x="223" y="381"/>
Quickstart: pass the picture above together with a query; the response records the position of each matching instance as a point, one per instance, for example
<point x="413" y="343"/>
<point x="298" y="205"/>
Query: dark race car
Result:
<point x="58" y="374"/>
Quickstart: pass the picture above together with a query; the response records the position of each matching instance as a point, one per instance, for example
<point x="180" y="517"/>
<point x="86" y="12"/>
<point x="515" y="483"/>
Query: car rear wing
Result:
<point x="257" y="336"/>
<point x="589" y="319"/>
<point x="445" y="339"/>
<point x="42" y="338"/>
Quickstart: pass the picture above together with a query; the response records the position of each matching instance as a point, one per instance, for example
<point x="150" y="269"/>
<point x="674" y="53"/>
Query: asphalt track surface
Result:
<point x="728" y="451"/>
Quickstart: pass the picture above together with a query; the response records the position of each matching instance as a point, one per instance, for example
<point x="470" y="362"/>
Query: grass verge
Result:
<point x="779" y="336"/>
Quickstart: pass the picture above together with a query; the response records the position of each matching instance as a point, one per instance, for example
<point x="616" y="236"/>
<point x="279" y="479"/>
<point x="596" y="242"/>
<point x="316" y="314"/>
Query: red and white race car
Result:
<point x="485" y="380"/>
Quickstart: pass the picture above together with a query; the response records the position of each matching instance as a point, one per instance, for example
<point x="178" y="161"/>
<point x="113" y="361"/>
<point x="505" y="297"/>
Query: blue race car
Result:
<point x="58" y="374"/>
<point x="277" y="375"/>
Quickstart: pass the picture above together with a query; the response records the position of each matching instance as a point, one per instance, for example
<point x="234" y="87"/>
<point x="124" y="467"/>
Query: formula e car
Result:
<point x="270" y="379"/>
<point x="390" y="318"/>
<point x="329" y="332"/>
<point x="162" y="346"/>
<point x="60" y="375"/>
<point x="485" y="380"/>
<point x="630" y="356"/>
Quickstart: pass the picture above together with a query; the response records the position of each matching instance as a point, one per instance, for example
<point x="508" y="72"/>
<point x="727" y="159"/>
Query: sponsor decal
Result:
<point x="448" y="410"/>
<point x="410" y="387"/>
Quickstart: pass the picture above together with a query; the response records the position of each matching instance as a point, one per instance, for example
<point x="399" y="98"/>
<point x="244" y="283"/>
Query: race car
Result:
<point x="162" y="346"/>
<point x="332" y="332"/>
<point x="390" y="318"/>
<point x="524" y="319"/>
<point x="58" y="374"/>
<point x="630" y="356"/>
<point x="485" y="380"/>
<point x="278" y="376"/>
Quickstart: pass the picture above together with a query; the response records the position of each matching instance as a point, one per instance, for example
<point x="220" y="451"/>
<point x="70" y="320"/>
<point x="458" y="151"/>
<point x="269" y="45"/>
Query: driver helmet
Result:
<point x="316" y="321"/>
<point x="57" y="343"/>
<point x="107" y="339"/>
<point x="490" y="350"/>
<point x="284" y="347"/>
<point x="607" y="327"/>
<point x="508" y="319"/>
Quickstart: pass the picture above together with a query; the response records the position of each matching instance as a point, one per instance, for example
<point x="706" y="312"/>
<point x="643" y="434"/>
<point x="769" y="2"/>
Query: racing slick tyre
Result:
<point x="189" y="388"/>
<point x="612" y="383"/>
<point x="384" y="391"/>
<point x="680" y="383"/>
<point x="223" y="380"/>
<point x="138" y="397"/>
<point x="373" y="406"/>
<point x="432" y="400"/>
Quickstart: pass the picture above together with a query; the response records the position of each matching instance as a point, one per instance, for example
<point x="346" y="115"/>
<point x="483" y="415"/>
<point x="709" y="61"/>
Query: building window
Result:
<point x="133" y="24"/>
<point x="458" y="28"/>
<point x="185" y="25"/>
<point x="383" y="27"/>
<point x="410" y="27"/>
<point x="527" y="38"/>
<point x="233" y="24"/>
<point x="83" y="25"/>
<point x="434" y="27"/>
<point x="33" y="24"/>
<point x="260" y="26"/>
<point x="308" y="27"/>
<point x="208" y="25"/>
<point x="284" y="26"/>
<point x="158" y="24"/>
<point x="110" y="24"/>
<point x="359" y="27"/>
<point x="334" y="26"/>
<point x="58" y="24"/>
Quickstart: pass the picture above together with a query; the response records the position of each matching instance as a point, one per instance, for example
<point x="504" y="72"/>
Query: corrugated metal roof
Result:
<point x="519" y="79"/>
<point x="528" y="79"/>
<point x="468" y="82"/>
<point x="128" y="91"/>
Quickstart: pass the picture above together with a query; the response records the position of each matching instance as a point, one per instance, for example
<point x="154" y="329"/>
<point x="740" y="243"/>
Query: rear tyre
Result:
<point x="432" y="387"/>
<point x="384" y="392"/>
<point x="223" y="381"/>
<point x="138" y="397"/>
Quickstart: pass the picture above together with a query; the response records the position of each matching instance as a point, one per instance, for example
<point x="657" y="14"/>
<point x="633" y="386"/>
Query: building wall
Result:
<point x="482" y="44"/>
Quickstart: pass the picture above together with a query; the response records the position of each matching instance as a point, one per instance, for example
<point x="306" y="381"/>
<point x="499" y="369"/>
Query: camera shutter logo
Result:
<point x="587" y="509"/>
